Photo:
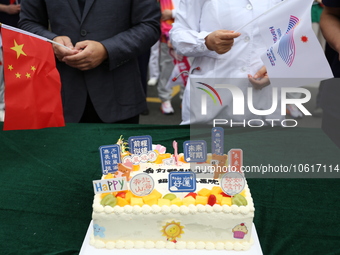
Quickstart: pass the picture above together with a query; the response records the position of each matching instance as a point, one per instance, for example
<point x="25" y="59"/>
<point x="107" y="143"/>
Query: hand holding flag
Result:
<point x="62" y="46"/>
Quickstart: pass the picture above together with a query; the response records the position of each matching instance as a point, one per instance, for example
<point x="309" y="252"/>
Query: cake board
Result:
<point x="88" y="249"/>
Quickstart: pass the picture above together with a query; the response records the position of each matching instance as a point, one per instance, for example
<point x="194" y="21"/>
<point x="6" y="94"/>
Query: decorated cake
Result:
<point x="148" y="198"/>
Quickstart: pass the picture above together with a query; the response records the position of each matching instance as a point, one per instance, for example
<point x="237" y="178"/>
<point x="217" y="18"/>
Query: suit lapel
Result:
<point x="75" y="7"/>
<point x="87" y="7"/>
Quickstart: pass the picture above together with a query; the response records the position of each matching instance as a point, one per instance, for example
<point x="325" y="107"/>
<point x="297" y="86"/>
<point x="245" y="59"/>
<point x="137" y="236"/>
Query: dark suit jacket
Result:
<point x="126" y="28"/>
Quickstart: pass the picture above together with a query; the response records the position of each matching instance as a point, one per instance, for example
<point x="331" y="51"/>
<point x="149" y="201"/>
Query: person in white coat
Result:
<point x="205" y="30"/>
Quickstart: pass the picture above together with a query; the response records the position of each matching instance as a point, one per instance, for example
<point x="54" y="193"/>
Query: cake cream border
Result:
<point x="192" y="209"/>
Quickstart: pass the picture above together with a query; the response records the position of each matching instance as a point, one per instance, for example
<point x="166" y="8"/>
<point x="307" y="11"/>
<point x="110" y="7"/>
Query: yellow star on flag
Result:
<point x="10" y="67"/>
<point x="18" y="75"/>
<point x="28" y="75"/>
<point x="18" y="49"/>
<point x="33" y="68"/>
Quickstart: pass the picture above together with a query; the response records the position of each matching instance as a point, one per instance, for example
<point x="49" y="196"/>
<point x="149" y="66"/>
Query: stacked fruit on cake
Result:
<point x="204" y="197"/>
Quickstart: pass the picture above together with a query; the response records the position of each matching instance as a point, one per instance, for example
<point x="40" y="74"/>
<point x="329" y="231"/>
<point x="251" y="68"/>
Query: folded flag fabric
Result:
<point x="32" y="82"/>
<point x="293" y="48"/>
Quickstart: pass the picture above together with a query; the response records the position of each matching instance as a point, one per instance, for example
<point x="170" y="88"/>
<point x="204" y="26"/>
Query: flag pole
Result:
<point x="33" y="35"/>
<point x="59" y="44"/>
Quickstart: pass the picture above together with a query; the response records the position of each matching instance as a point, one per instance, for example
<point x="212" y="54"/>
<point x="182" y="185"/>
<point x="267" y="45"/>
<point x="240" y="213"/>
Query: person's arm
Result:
<point x="130" y="43"/>
<point x="330" y="26"/>
<point x="10" y="8"/>
<point x="142" y="31"/>
<point x="142" y="34"/>
<point x="187" y="37"/>
<point x="34" y="18"/>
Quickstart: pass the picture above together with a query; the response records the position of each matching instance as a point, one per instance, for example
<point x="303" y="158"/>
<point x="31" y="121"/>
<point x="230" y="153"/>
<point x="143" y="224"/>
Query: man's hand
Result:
<point x="61" y="52"/>
<point x="91" y="54"/>
<point x="260" y="79"/>
<point x="12" y="9"/>
<point x="221" y="41"/>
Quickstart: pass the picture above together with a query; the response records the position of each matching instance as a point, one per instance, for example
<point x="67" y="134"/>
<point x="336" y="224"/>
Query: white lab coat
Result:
<point x="176" y="4"/>
<point x="195" y="19"/>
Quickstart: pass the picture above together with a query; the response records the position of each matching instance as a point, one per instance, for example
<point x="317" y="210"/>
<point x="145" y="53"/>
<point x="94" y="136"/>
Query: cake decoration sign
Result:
<point x="110" y="157"/>
<point x="235" y="157"/>
<point x="195" y="151"/>
<point x="182" y="182"/>
<point x="217" y="141"/>
<point x="141" y="149"/>
<point x="109" y="185"/>
<point x="141" y="184"/>
<point x="232" y="183"/>
<point x="140" y="144"/>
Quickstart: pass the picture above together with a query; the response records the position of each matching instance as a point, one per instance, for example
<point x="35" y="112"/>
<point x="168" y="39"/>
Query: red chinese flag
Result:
<point x="32" y="82"/>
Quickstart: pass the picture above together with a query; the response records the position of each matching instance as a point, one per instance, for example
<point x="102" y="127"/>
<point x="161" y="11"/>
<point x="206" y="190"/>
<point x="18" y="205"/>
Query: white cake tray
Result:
<point x="88" y="249"/>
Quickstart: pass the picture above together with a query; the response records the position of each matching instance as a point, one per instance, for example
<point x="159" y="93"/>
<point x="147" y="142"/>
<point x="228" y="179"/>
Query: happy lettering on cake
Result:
<point x="110" y="185"/>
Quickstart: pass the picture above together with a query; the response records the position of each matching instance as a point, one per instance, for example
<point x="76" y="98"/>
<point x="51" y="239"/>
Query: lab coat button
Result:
<point x="246" y="39"/>
<point x="249" y="7"/>
<point x="243" y="69"/>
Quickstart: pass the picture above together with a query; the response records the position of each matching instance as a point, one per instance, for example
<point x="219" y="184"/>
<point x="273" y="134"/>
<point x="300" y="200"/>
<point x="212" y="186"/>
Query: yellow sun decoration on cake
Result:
<point x="172" y="230"/>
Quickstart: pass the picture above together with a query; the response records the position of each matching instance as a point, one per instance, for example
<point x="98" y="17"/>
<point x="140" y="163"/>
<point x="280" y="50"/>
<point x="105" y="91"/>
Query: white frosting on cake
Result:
<point x="238" y="246"/>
